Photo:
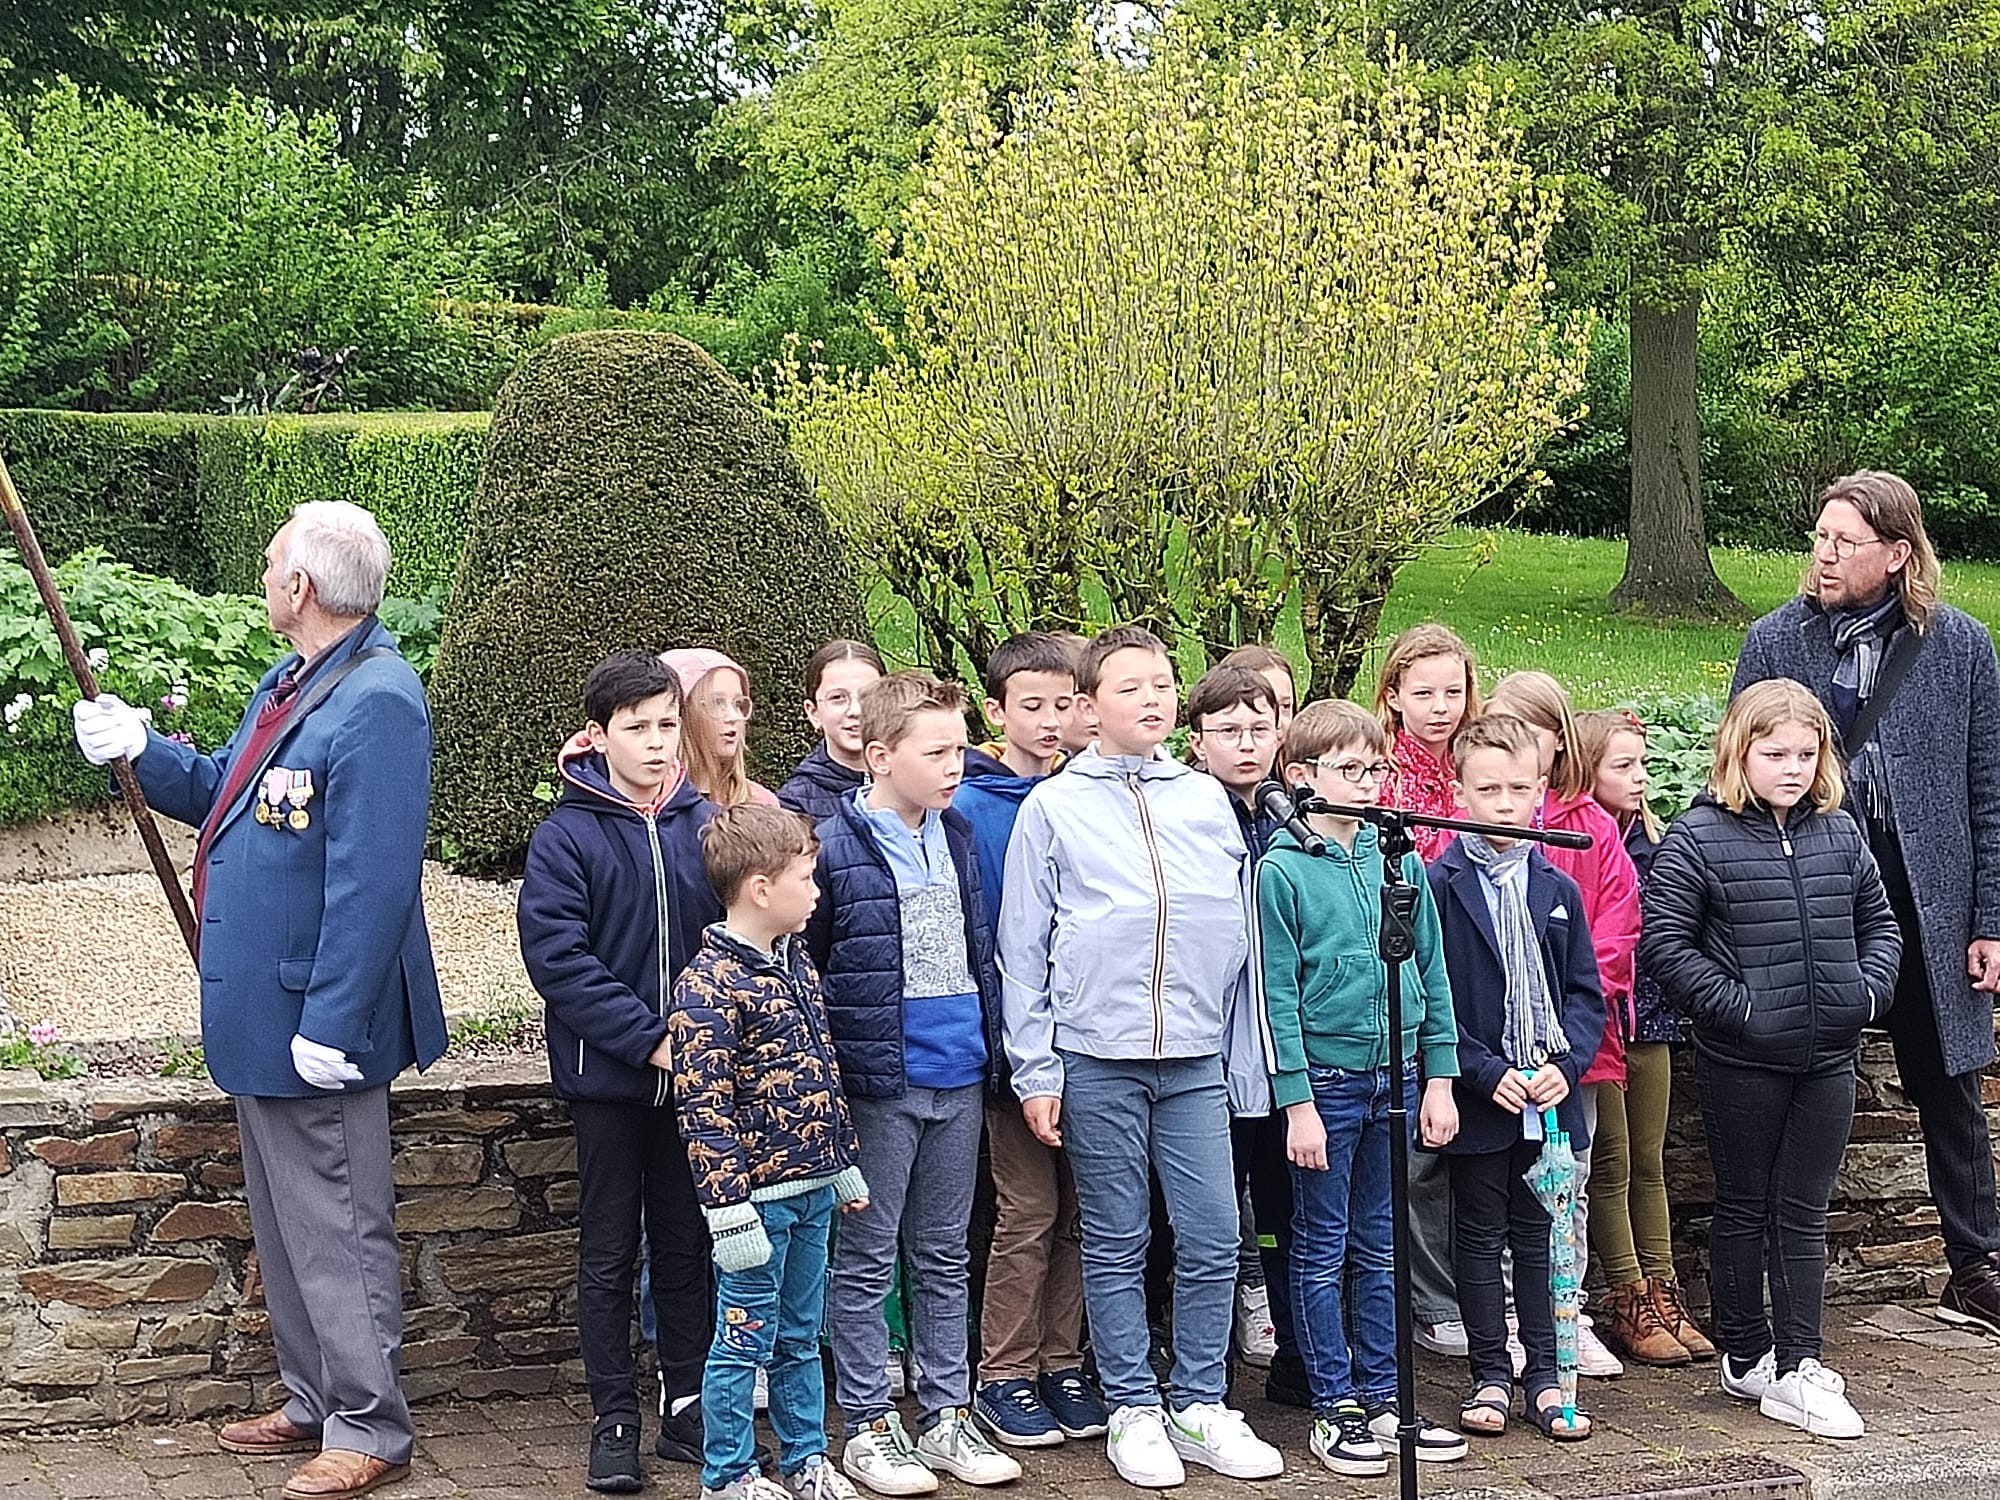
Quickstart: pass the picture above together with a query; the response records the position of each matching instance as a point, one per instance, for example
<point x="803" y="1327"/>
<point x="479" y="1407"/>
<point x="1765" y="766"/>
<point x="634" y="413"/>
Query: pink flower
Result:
<point x="42" y="1033"/>
<point x="182" y="737"/>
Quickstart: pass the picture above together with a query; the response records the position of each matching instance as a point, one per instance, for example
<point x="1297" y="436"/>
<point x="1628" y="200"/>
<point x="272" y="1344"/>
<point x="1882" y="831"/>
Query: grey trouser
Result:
<point x="919" y="1154"/>
<point x="323" y="1207"/>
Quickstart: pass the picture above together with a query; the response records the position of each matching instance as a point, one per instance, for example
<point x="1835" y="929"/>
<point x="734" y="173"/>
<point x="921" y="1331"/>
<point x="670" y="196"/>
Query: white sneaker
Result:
<point x="1137" y="1446"/>
<point x="818" y="1480"/>
<point x="760" y="1392"/>
<point x="955" y="1445"/>
<point x="1753" y="1382"/>
<point x="1216" y="1437"/>
<point x="881" y="1457"/>
<point x="1592" y="1358"/>
<point x="1813" y="1399"/>
<point x="1256" y="1335"/>
<point x="754" y="1486"/>
<point x="1446" y="1338"/>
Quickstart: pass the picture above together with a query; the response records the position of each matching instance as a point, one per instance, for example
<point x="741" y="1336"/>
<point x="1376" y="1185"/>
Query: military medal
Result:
<point x="271" y="796"/>
<point x="299" y="793"/>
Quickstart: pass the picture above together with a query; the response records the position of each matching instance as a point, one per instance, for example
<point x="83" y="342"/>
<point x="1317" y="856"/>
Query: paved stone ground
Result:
<point x="1931" y="1396"/>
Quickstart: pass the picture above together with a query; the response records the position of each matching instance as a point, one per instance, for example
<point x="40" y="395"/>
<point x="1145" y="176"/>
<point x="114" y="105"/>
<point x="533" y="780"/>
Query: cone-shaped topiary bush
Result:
<point x="632" y="497"/>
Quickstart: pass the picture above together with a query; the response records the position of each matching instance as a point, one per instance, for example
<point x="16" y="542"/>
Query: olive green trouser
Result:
<point x="1630" y="1231"/>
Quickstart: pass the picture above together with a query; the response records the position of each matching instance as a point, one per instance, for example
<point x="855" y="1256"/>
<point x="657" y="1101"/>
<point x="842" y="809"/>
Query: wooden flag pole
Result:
<point x="86" y="681"/>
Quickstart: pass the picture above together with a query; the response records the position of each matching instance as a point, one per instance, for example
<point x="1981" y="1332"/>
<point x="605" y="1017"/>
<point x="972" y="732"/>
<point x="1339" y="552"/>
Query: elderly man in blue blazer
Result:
<point x="317" y="986"/>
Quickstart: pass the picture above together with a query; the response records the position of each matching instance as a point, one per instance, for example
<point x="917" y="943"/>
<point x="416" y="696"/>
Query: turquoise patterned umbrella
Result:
<point x="1552" y="1179"/>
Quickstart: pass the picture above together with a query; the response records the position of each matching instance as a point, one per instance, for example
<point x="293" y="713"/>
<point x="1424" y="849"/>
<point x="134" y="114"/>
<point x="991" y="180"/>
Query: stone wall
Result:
<point x="128" y="1287"/>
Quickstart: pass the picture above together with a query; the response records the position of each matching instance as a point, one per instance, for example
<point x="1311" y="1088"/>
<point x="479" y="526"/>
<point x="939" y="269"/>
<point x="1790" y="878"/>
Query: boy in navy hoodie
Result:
<point x="612" y="907"/>
<point x="903" y="943"/>
<point x="1032" y="1390"/>
<point x="1530" y="1015"/>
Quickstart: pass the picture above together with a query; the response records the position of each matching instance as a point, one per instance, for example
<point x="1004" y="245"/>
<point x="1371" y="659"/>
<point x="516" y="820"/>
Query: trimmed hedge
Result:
<point x="196" y="498"/>
<point x="633" y="496"/>
<point x="417" y="471"/>
<point x="126" y="484"/>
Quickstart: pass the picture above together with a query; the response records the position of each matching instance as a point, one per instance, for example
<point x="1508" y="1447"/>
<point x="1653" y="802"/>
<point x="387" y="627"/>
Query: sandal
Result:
<point x="1500" y="1406"/>
<point x="1546" y="1417"/>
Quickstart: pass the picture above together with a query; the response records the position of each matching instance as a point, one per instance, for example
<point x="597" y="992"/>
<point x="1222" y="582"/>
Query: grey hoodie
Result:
<point x="1123" y="924"/>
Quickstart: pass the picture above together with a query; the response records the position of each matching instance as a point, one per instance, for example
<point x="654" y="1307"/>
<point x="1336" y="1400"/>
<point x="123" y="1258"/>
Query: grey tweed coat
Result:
<point x="1941" y="740"/>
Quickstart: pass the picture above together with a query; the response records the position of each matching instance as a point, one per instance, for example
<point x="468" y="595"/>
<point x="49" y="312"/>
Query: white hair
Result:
<point x="342" y="550"/>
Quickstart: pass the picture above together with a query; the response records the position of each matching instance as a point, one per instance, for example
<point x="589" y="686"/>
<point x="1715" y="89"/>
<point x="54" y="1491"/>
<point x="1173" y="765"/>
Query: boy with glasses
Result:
<point x="1233" y="735"/>
<point x="1334" y="1073"/>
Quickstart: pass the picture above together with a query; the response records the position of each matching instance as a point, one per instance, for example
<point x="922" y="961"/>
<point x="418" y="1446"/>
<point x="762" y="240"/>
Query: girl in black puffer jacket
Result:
<point x="1767" y="925"/>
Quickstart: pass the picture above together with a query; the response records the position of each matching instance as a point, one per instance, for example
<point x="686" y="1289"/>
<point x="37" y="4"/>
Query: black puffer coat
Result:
<point x="1778" y="944"/>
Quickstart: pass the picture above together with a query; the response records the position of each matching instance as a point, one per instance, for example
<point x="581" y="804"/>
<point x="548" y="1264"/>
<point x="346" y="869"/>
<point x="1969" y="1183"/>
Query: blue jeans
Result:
<point x="1343" y="1271"/>
<point x="1117" y="1117"/>
<point x="769" y="1315"/>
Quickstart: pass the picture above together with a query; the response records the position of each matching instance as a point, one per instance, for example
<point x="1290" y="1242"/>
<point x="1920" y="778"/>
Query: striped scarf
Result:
<point x="1533" y="1034"/>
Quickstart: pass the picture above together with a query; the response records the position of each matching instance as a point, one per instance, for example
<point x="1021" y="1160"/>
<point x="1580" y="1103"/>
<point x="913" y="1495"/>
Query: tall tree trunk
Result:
<point x="1667" y="566"/>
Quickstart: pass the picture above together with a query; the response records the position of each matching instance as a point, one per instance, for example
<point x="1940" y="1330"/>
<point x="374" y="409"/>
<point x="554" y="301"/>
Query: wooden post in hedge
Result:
<point x="86" y="681"/>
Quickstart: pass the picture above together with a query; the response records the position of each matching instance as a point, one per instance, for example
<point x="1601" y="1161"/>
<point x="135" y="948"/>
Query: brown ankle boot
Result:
<point x="1671" y="1305"/>
<point x="1631" y="1324"/>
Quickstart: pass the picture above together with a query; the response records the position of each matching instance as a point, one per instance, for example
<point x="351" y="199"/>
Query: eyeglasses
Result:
<point x="1354" y="772"/>
<point x="1251" y="734"/>
<point x="723" y="705"/>
<point x="1843" y="547"/>
<point x="838" y="699"/>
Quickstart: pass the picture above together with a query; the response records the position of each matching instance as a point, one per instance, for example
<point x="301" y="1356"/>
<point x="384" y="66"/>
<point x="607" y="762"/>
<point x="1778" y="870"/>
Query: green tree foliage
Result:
<point x="1826" y="141"/>
<point x="1191" y="340"/>
<point x="156" y="265"/>
<point x="633" y="496"/>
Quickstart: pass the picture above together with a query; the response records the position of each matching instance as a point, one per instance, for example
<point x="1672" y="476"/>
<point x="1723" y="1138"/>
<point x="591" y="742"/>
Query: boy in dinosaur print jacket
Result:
<point x="772" y="1149"/>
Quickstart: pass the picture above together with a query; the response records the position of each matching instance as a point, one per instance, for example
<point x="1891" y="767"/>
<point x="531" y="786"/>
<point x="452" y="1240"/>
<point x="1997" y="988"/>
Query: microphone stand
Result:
<point x="1397" y="943"/>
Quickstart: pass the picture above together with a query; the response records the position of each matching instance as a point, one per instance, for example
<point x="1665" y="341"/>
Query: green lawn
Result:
<point x="1524" y="600"/>
<point x="1538" y="601"/>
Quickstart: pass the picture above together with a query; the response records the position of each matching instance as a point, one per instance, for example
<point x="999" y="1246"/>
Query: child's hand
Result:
<point x="856" y="1206"/>
<point x="1548" y="1087"/>
<point x="1305" y="1137"/>
<point x="1511" y="1093"/>
<point x="663" y="1055"/>
<point x="1437" y="1117"/>
<point x="1042" y="1112"/>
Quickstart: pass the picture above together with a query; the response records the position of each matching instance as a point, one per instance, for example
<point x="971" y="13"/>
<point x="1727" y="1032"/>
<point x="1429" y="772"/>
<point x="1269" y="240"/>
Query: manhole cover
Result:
<point x="1728" y="1476"/>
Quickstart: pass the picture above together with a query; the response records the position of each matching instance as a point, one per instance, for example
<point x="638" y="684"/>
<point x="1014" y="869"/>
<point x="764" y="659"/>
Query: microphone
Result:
<point x="1562" y="838"/>
<point x="1274" y="801"/>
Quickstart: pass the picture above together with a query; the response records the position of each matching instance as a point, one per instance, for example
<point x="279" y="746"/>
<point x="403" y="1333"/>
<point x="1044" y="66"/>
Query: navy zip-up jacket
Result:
<point x="818" y="784"/>
<point x="1479" y="994"/>
<point x="613" y="905"/>
<point x="855" y="938"/>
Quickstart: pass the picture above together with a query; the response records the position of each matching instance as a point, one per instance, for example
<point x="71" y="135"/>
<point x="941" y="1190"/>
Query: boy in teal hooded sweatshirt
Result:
<point x="1325" y="999"/>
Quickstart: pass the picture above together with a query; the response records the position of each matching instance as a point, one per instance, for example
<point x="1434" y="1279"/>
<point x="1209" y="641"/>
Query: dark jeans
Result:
<point x="627" y="1154"/>
<point x="1492" y="1208"/>
<point x="1775" y="1140"/>
<point x="1957" y="1152"/>
<point x="1258" y="1146"/>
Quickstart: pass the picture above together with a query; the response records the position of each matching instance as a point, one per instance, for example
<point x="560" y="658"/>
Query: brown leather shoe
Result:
<point x="340" y="1472"/>
<point x="271" y="1433"/>
<point x="1672" y="1304"/>
<point x="1631" y="1324"/>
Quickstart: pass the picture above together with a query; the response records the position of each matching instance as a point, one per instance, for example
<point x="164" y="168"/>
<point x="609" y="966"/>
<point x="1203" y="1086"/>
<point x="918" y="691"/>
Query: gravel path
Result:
<point x="100" y="957"/>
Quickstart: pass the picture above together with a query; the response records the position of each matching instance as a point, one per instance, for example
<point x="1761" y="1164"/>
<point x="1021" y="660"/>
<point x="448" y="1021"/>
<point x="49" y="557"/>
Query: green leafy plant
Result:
<point x="35" y="1047"/>
<point x="1680" y="747"/>
<point x="498" y="1028"/>
<point x="184" y="1059"/>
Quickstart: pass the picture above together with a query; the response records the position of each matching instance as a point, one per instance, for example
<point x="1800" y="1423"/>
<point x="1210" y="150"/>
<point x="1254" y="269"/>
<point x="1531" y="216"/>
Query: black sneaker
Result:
<point x="1435" y="1444"/>
<point x="614" y="1459"/>
<point x="1342" y="1441"/>
<point x="1971" y="1298"/>
<point x="680" y="1439"/>
<point x="1285" y="1384"/>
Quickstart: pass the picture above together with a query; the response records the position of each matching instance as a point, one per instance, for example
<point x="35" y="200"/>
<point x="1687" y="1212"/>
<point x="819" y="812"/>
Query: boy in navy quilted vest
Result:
<point x="771" y="1146"/>
<point x="612" y="905"/>
<point x="904" y="945"/>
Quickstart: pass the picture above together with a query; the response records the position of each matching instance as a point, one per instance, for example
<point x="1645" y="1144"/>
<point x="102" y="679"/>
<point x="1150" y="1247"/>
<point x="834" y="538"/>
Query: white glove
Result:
<point x="107" y="728"/>
<point x="321" y="1066"/>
